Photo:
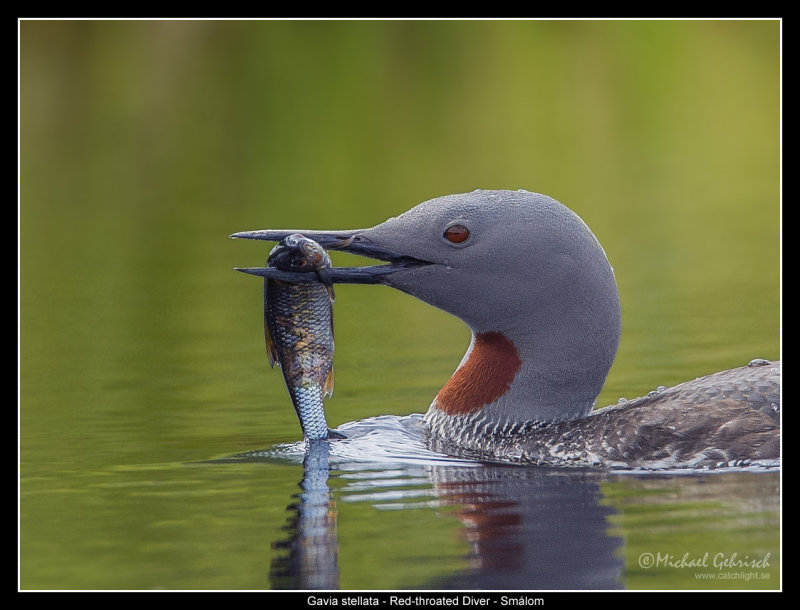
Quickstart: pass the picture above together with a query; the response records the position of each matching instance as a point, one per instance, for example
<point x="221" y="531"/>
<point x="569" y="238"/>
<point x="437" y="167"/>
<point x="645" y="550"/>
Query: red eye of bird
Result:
<point x="457" y="234"/>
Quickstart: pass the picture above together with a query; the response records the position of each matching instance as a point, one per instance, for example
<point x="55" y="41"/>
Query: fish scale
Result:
<point x="298" y="327"/>
<point x="299" y="321"/>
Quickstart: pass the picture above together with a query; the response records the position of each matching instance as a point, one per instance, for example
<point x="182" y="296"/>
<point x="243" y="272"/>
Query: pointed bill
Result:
<point x="353" y="242"/>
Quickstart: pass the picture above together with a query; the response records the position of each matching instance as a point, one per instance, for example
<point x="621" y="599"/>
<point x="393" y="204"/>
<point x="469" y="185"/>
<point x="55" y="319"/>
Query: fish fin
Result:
<point x="338" y="245"/>
<point x="327" y="389"/>
<point x="272" y="351"/>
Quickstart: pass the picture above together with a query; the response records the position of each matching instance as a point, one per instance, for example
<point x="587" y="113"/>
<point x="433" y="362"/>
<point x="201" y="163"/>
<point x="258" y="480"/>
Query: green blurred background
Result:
<point x="144" y="144"/>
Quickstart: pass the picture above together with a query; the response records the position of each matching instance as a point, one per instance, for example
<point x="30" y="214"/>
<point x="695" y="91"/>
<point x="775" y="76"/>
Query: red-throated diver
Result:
<point x="535" y="287"/>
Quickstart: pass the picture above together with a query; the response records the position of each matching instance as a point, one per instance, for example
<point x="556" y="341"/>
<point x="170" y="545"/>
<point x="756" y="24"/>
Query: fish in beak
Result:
<point x="353" y="242"/>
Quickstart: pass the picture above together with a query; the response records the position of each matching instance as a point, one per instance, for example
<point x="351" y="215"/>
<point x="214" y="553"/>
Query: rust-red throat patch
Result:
<point x="485" y="376"/>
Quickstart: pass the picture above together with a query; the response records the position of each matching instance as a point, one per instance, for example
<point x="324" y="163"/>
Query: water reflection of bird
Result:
<point x="524" y="528"/>
<point x="531" y="528"/>
<point x="535" y="287"/>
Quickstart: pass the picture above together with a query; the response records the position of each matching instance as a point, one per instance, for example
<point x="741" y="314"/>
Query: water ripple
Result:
<point x="386" y="439"/>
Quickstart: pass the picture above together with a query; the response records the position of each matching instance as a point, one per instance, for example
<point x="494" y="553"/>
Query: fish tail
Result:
<point x="307" y="401"/>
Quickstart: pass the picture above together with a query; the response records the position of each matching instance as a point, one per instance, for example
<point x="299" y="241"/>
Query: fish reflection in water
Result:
<point x="310" y="557"/>
<point x="526" y="527"/>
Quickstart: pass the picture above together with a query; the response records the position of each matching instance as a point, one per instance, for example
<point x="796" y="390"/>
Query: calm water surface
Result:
<point x="379" y="511"/>
<point x="157" y="448"/>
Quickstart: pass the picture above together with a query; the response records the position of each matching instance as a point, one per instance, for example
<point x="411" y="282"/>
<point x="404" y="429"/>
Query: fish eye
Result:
<point x="456" y="234"/>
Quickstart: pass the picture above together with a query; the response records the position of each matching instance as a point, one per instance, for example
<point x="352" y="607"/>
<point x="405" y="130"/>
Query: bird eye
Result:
<point x="456" y="234"/>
